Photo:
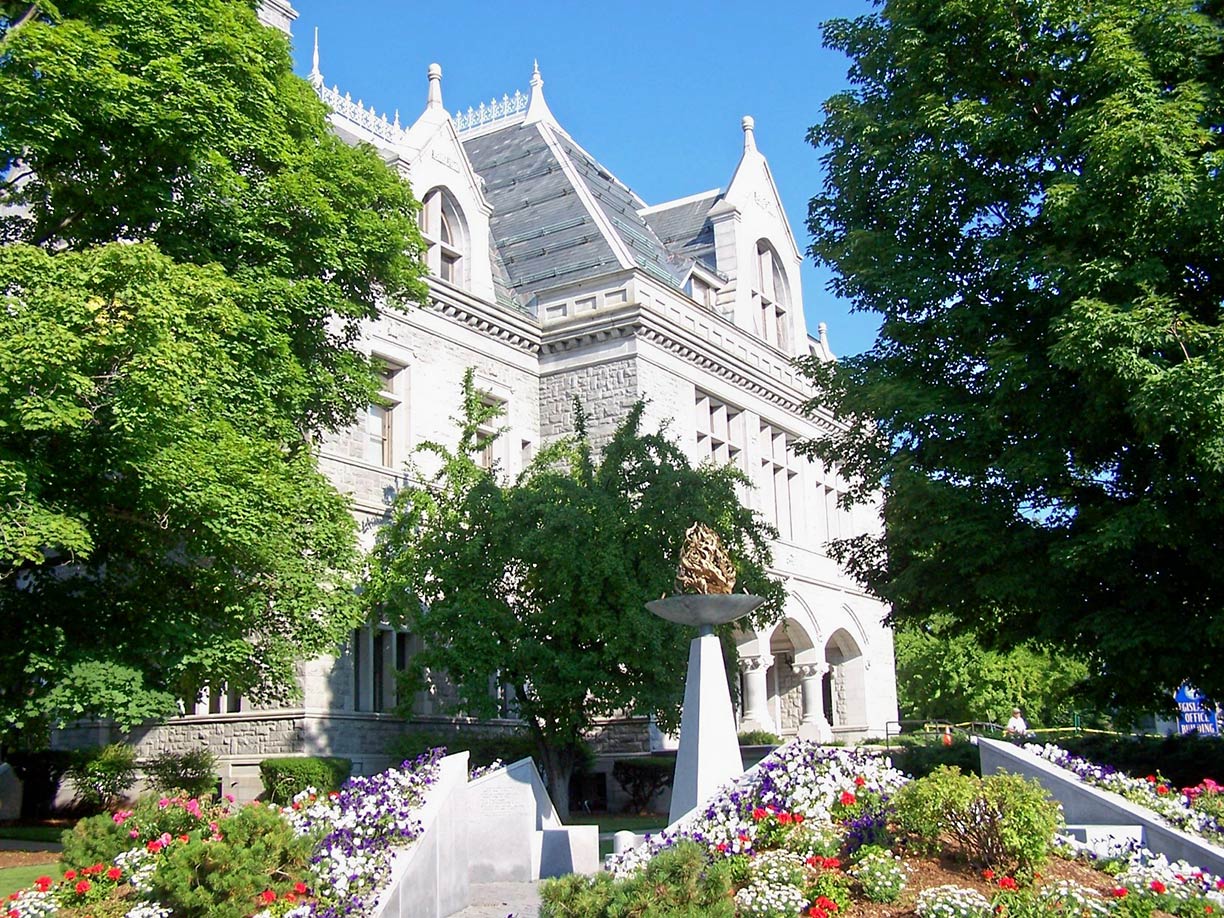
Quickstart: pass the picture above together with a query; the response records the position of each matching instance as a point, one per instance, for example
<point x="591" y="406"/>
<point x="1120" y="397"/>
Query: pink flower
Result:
<point x="132" y="833"/>
<point x="163" y="803"/>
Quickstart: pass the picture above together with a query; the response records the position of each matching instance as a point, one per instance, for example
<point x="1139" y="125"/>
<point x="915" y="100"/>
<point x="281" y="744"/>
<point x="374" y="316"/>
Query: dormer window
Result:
<point x="445" y="233"/>
<point x="771" y="298"/>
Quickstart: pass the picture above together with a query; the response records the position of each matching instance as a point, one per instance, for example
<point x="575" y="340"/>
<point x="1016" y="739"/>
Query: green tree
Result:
<point x="953" y="677"/>
<point x="541" y="584"/>
<point x="188" y="254"/>
<point x="1028" y="194"/>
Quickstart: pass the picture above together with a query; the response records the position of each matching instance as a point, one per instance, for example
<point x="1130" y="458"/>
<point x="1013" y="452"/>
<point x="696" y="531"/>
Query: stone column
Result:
<point x="815" y="724"/>
<point x="756" y="694"/>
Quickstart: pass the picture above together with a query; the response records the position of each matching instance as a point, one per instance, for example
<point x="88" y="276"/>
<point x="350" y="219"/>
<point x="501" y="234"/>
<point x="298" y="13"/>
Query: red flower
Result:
<point x="1120" y="892"/>
<point x="82" y="887"/>
<point x="1007" y="883"/>
<point x="988" y="874"/>
<point x="1151" y="779"/>
<point x="797" y="817"/>
<point x="784" y="818"/>
<point x="267" y="897"/>
<point x="114" y="874"/>
<point x="70" y="874"/>
<point x="830" y="863"/>
<point x="1158" y="887"/>
<point x="758" y="814"/>
<point x="184" y="838"/>
<point x="13" y="913"/>
<point x="817" y="912"/>
<point x="859" y="781"/>
<point x="722" y="847"/>
<point x="301" y="888"/>
<point x="1162" y="790"/>
<point x="847" y="798"/>
<point x="826" y="903"/>
<point x="155" y="845"/>
<point x="43" y="883"/>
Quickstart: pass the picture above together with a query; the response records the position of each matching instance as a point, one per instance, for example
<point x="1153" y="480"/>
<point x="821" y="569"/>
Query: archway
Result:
<point x="845" y="684"/>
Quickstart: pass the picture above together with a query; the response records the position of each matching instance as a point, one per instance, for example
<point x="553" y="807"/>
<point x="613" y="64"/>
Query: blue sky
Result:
<point x="655" y="91"/>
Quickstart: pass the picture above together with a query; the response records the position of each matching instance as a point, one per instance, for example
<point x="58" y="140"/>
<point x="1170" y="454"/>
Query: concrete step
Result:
<point x="501" y="900"/>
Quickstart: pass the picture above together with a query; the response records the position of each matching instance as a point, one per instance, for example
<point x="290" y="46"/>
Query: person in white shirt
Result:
<point x="1016" y="725"/>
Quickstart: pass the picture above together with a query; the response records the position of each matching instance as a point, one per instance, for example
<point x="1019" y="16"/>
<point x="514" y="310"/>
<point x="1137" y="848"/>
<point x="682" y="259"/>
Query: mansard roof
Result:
<point x="684" y="226"/>
<point x="558" y="215"/>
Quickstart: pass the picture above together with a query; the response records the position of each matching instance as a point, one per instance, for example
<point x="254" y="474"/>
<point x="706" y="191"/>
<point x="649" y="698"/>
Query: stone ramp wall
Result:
<point x="1086" y="805"/>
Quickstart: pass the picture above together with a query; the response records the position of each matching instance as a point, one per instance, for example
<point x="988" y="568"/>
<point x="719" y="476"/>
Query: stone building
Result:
<point x="551" y="278"/>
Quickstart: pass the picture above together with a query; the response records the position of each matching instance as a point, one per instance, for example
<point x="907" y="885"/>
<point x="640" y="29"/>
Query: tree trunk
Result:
<point x="559" y="765"/>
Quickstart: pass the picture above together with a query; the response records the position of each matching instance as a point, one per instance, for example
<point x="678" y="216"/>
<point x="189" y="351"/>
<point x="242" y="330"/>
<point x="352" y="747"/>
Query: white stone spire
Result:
<point x="435" y="87"/>
<point x="316" y="75"/>
<point x="748" y="124"/>
<point x="537" y="108"/>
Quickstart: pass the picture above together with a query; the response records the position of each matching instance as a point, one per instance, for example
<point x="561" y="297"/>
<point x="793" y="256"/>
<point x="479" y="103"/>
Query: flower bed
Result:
<point x="1191" y="810"/>
<point x="321" y="856"/>
<point x="828" y="832"/>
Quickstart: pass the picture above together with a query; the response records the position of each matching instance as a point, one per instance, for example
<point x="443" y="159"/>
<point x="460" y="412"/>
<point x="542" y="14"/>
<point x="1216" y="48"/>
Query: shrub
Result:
<point x="576" y="896"/>
<point x="193" y="772"/>
<point x="759" y="738"/>
<point x="880" y="874"/>
<point x="643" y="778"/>
<point x="103" y="774"/>
<point x="284" y="778"/>
<point x="920" y="759"/>
<point x="1001" y="822"/>
<point x="222" y="877"/>
<point x="678" y="883"/>
<point x="98" y="839"/>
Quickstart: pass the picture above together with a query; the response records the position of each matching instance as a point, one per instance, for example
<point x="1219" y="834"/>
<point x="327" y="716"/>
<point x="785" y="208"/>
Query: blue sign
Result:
<point x="1195" y="712"/>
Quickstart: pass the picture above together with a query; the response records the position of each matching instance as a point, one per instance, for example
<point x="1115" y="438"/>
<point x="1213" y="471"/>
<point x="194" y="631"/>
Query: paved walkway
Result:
<point x="14" y="844"/>
<point x="499" y="900"/>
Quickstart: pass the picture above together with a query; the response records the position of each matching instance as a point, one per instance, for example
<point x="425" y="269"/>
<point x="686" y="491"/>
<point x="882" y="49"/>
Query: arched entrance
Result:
<point x="845" y="684"/>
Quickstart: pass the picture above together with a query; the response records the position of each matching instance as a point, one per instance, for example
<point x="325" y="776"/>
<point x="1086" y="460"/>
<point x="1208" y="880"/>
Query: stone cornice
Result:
<point x="516" y="329"/>
<point x="647" y="325"/>
<point x="525" y="333"/>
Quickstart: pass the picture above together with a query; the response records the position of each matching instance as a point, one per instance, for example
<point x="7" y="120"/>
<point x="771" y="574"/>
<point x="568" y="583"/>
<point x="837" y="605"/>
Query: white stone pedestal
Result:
<point x="709" y="753"/>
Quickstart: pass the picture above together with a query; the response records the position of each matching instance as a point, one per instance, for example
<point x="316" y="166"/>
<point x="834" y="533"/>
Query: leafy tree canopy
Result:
<point x="952" y="677"/>
<point x="1028" y="193"/>
<point x="541" y="584"/>
<point x="188" y="254"/>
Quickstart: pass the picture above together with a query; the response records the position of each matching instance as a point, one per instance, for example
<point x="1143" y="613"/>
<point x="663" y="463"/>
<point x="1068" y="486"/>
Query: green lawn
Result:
<point x="33" y="833"/>
<point x="15" y="878"/>
<point x="618" y="822"/>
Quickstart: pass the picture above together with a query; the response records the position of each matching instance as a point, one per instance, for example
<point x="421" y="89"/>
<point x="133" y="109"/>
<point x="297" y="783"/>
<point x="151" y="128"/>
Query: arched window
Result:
<point x="445" y="233"/>
<point x="771" y="297"/>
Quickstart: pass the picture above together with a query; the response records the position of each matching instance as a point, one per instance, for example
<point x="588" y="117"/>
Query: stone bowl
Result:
<point x="704" y="611"/>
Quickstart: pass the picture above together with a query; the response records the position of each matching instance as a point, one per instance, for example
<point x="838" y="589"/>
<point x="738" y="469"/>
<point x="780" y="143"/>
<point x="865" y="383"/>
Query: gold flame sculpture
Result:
<point x="705" y="567"/>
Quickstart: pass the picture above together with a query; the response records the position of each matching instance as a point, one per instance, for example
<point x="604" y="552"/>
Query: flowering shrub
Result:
<point x="104" y="837"/>
<point x="1152" y="792"/>
<point x="880" y="874"/>
<point x="952" y="902"/>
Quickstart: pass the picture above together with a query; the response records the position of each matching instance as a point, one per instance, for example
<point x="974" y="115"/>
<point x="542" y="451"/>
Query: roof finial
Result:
<point x="435" y="87"/>
<point x="316" y="75"/>
<point x="537" y="108"/>
<point x="748" y="124"/>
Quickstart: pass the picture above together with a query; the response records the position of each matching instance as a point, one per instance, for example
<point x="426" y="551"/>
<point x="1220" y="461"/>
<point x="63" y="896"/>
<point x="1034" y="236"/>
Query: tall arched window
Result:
<point x="771" y="297"/>
<point x="445" y="233"/>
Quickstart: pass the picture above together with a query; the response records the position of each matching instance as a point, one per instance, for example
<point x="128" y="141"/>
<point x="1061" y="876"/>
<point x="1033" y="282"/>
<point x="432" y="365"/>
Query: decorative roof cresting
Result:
<point x="356" y="112"/>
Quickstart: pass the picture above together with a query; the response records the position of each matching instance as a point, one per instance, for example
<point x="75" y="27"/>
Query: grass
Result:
<point x="15" y="878"/>
<point x="618" y="822"/>
<point x="33" y="833"/>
